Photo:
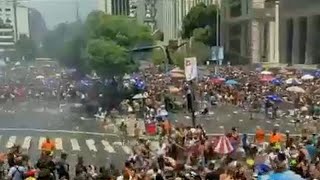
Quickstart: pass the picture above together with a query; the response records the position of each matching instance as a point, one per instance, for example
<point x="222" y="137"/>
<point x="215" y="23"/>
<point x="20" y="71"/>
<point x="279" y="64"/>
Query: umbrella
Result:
<point x="276" y="81"/>
<point x="177" y="75"/>
<point x="307" y="77"/>
<point x="223" y="146"/>
<point x="317" y="73"/>
<point x="17" y="63"/>
<point x="267" y="78"/>
<point x="231" y="82"/>
<point x="126" y="77"/>
<point x="296" y="89"/>
<point x="293" y="81"/>
<point x="266" y="73"/>
<point x="138" y="96"/>
<point x="177" y="70"/>
<point x="274" y="98"/>
<point x="173" y="89"/>
<point x="217" y="80"/>
<point x="40" y="77"/>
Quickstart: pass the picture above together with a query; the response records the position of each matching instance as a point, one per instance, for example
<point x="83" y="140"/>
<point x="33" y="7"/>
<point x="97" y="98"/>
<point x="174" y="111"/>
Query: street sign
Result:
<point x="217" y="53"/>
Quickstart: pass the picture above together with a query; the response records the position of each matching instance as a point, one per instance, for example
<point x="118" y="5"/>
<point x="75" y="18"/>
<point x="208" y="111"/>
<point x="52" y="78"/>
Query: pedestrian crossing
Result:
<point x="67" y="144"/>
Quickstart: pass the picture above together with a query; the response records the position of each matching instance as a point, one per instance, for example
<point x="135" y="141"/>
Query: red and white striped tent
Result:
<point x="223" y="146"/>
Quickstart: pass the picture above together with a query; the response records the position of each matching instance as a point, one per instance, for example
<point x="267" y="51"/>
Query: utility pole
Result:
<point x="77" y="10"/>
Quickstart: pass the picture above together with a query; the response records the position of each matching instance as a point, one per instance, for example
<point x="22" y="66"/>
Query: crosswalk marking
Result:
<point x="125" y="148"/>
<point x="75" y="145"/>
<point x="72" y="144"/>
<point x="41" y="140"/>
<point x="91" y="145"/>
<point x="58" y="142"/>
<point x="107" y="146"/>
<point x="11" y="141"/>
<point x="26" y="143"/>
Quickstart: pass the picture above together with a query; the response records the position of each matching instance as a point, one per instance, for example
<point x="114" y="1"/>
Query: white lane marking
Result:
<point x="107" y="146"/>
<point x="11" y="141"/>
<point x="91" y="145"/>
<point x="26" y="143"/>
<point x="59" y="131"/>
<point x="41" y="140"/>
<point x="75" y="145"/>
<point x="125" y="148"/>
<point x="58" y="143"/>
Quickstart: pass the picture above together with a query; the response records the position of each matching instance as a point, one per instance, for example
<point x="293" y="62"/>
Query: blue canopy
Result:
<point x="231" y="82"/>
<point x="276" y="81"/>
<point x="317" y="73"/>
<point x="274" y="98"/>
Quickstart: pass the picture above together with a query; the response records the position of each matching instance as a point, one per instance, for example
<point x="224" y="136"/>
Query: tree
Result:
<point x="108" y="58"/>
<point x="201" y="23"/>
<point x="201" y="51"/>
<point x="26" y="47"/>
<point x="124" y="31"/>
<point x="158" y="57"/>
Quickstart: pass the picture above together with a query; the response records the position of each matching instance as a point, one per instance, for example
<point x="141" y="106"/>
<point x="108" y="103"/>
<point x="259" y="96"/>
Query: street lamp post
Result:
<point x="277" y="29"/>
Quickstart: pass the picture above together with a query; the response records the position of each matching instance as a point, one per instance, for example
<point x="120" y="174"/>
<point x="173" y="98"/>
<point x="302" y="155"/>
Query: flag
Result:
<point x="190" y="68"/>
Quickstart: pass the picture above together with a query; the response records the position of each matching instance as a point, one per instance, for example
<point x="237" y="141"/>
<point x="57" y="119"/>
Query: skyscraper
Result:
<point x="117" y="7"/>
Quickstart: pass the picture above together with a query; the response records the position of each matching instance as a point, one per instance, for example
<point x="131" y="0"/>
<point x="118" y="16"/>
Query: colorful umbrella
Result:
<point x="307" y="77"/>
<point x="293" y="81"/>
<point x="267" y="78"/>
<point x="276" y="81"/>
<point x="274" y="98"/>
<point x="217" y="80"/>
<point x="231" y="82"/>
<point x="223" y="146"/>
<point x="296" y="89"/>
<point x="266" y="73"/>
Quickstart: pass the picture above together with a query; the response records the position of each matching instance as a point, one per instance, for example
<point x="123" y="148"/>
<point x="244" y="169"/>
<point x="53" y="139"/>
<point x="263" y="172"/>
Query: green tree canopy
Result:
<point x="26" y="47"/>
<point x="201" y="23"/>
<point x="123" y="30"/>
<point x="108" y="58"/>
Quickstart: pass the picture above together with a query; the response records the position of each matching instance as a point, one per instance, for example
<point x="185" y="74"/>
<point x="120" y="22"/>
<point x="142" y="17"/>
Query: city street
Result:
<point x="224" y="117"/>
<point x="91" y="147"/>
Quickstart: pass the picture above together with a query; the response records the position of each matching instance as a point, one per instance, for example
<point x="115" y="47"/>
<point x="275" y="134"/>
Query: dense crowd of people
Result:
<point x="186" y="152"/>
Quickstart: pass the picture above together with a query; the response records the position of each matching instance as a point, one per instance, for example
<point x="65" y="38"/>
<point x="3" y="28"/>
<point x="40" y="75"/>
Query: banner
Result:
<point x="217" y="53"/>
<point x="190" y="68"/>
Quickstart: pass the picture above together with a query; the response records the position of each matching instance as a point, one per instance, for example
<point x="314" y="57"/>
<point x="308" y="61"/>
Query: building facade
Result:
<point x="173" y="13"/>
<point x="299" y="32"/>
<point x="8" y="33"/>
<point x="284" y="32"/>
<point x="250" y="30"/>
<point x="14" y="23"/>
<point x="117" y="7"/>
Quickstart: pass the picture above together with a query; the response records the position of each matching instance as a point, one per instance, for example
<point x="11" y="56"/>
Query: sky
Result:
<point x="59" y="11"/>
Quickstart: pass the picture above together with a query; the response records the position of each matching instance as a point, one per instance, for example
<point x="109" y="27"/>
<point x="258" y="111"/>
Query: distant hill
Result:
<point x="38" y="27"/>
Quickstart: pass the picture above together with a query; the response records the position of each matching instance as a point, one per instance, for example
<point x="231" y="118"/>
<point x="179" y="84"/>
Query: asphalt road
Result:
<point x="224" y="117"/>
<point x="99" y="143"/>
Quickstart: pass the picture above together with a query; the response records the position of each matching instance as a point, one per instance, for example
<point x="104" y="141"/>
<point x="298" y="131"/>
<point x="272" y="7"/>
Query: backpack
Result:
<point x="17" y="170"/>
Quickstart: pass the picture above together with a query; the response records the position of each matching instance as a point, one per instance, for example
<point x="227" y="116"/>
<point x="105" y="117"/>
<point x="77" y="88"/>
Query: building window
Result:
<point x="7" y="9"/>
<point x="0" y="10"/>
<point x="235" y="8"/>
<point x="8" y="20"/>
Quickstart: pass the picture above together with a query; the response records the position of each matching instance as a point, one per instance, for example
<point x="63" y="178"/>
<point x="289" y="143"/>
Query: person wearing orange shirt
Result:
<point x="48" y="146"/>
<point x="275" y="139"/>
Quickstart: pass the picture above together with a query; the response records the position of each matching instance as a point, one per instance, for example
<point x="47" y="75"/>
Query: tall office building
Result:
<point x="173" y="12"/>
<point x="14" y="22"/>
<point x="117" y="7"/>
